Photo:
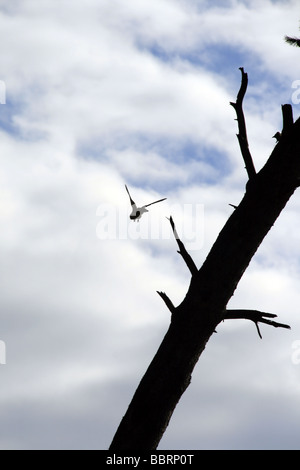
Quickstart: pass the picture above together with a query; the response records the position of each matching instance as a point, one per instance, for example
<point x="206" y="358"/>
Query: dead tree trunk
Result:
<point x="212" y="286"/>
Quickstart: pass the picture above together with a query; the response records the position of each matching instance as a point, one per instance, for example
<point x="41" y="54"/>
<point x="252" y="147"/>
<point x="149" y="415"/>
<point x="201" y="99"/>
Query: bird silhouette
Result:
<point x="137" y="212"/>
<point x="277" y="136"/>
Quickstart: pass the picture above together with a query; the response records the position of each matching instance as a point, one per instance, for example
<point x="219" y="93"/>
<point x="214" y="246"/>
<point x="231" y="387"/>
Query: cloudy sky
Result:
<point x="97" y="94"/>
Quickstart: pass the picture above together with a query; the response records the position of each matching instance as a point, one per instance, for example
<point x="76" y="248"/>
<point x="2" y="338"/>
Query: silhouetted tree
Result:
<point x="211" y="287"/>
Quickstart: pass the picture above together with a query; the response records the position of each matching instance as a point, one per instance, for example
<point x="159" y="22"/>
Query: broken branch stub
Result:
<point x="242" y="135"/>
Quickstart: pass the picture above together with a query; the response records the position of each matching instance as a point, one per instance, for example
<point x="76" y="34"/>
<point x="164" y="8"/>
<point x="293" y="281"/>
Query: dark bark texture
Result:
<point x="212" y="286"/>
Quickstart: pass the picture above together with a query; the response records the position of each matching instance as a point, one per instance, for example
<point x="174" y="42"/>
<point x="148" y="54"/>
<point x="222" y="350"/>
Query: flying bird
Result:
<point x="137" y="212"/>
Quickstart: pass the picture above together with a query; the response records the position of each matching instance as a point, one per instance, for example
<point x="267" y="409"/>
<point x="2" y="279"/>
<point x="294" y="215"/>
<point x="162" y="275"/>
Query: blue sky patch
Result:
<point x="7" y="112"/>
<point x="208" y="164"/>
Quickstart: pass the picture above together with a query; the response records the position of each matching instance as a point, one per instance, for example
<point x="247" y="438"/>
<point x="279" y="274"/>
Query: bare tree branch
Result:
<point x="242" y="135"/>
<point x="167" y="301"/>
<point x="256" y="316"/>
<point x="182" y="250"/>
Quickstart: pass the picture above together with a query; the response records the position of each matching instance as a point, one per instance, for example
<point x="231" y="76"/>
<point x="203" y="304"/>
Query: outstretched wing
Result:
<point x="146" y="205"/>
<point x="131" y="200"/>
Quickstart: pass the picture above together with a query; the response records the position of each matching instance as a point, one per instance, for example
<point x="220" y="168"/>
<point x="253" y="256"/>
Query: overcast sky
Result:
<point x="97" y="94"/>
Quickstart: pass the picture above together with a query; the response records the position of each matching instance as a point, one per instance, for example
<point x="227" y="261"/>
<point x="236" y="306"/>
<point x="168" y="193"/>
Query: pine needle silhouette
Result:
<point x="292" y="41"/>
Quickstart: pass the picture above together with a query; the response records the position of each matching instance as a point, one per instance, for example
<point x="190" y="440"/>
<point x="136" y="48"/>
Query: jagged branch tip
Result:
<point x="182" y="250"/>
<point x="167" y="301"/>
<point x="242" y="135"/>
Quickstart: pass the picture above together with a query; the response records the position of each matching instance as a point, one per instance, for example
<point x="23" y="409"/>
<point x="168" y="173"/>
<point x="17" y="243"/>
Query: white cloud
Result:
<point x="92" y="105"/>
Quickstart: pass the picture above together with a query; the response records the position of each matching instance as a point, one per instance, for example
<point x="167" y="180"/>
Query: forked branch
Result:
<point x="242" y="135"/>
<point x="256" y="316"/>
